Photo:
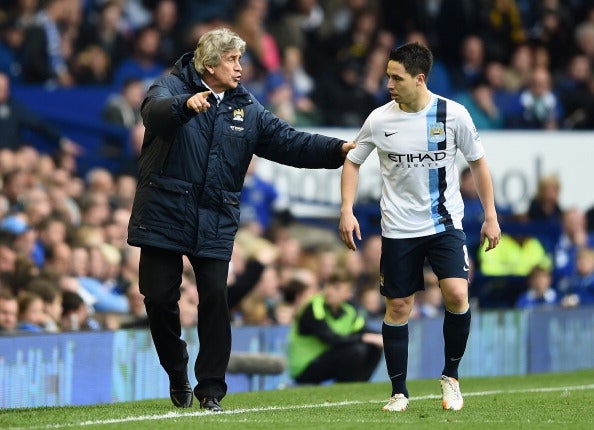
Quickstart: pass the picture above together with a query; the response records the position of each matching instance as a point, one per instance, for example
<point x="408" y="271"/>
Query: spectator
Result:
<point x="503" y="97"/>
<point x="553" y="31"/>
<point x="9" y="312"/>
<point x="24" y="237"/>
<point x="165" y="16"/>
<point x="471" y="65"/>
<point x="12" y="36"/>
<point x="76" y="315"/>
<point x="143" y="64"/>
<point x="43" y="54"/>
<point x="517" y="255"/>
<point x="91" y="66"/>
<point x="537" y="106"/>
<point x="32" y="318"/>
<point x="480" y="103"/>
<point x="15" y="118"/>
<point x="341" y="98"/>
<point x="575" y="94"/>
<point x="544" y="206"/>
<point x="540" y="292"/>
<point x="574" y="236"/>
<point x="580" y="290"/>
<point x="105" y="29"/>
<point x="329" y="339"/>
<point x="502" y="29"/>
<point x="249" y="24"/>
<point x="517" y="75"/>
<point x="51" y="295"/>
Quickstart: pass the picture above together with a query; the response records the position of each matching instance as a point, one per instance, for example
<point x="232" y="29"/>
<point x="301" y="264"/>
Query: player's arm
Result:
<point x="490" y="229"/>
<point x="348" y="188"/>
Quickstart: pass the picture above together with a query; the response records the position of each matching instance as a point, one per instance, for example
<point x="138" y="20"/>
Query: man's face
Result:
<point x="227" y="74"/>
<point x="403" y="88"/>
<point x="9" y="310"/>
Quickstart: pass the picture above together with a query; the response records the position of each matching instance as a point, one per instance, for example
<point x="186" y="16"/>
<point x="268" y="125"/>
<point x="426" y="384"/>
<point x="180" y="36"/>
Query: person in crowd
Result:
<point x="580" y="290"/>
<point x="518" y="254"/>
<point x="545" y="205"/>
<point x="9" y="312"/>
<point x="329" y="339"/>
<point x="76" y="315"/>
<point x="202" y="129"/>
<point x="16" y="118"/>
<point x="122" y="109"/>
<point x="105" y="29"/>
<point x="537" y="106"/>
<point x="44" y="60"/>
<point x="480" y="102"/>
<point x="51" y="295"/>
<point x="143" y="62"/>
<point x="421" y="211"/>
<point x="31" y="318"/>
<point x="469" y="70"/>
<point x="540" y="292"/>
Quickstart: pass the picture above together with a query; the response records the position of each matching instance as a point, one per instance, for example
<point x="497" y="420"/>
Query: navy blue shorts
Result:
<point x="402" y="261"/>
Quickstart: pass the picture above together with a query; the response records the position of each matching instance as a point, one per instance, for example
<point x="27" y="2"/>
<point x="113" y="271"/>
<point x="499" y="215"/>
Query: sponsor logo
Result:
<point x="235" y="128"/>
<point x="466" y="268"/>
<point x="418" y="158"/>
<point x="389" y="133"/>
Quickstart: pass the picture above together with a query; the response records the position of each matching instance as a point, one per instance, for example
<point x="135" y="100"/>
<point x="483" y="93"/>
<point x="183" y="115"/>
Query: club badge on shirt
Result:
<point x="436" y="132"/>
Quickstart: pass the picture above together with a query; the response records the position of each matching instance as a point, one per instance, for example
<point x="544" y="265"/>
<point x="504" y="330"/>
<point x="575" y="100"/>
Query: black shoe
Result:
<point x="182" y="397"/>
<point x="211" y="404"/>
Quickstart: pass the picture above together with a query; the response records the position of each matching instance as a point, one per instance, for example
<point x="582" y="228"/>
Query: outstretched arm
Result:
<point x="490" y="229"/>
<point x="348" y="188"/>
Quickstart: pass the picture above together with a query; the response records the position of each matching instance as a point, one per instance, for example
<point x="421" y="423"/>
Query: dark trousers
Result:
<point x="349" y="363"/>
<point x="160" y="276"/>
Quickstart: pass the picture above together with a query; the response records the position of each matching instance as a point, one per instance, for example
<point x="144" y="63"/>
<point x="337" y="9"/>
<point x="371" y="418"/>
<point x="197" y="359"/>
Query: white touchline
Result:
<point x="170" y="415"/>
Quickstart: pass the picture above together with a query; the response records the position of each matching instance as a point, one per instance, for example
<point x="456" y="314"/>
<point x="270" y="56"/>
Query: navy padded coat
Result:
<point x="192" y="166"/>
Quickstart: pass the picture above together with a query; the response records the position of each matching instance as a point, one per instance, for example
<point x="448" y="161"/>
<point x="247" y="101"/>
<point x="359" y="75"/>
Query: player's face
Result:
<point x="404" y="89"/>
<point x="227" y="74"/>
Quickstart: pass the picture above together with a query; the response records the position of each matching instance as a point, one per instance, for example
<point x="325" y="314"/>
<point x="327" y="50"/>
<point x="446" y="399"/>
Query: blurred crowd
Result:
<point x="65" y="264"/>
<point x="64" y="261"/>
<point x="523" y="64"/>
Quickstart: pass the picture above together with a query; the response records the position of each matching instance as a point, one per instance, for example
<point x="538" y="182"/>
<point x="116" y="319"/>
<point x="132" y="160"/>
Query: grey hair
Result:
<point x="213" y="44"/>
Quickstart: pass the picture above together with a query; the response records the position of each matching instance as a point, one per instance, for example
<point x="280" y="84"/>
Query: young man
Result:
<point x="417" y="136"/>
<point x="202" y="129"/>
<point x="329" y="338"/>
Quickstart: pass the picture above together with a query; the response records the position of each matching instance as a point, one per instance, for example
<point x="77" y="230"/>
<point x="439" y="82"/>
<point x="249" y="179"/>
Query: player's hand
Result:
<point x="198" y="102"/>
<point x="490" y="232"/>
<point x="346" y="147"/>
<point x="348" y="224"/>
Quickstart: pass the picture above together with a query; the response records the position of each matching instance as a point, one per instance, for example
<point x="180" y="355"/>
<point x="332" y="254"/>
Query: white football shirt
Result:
<point x="417" y="155"/>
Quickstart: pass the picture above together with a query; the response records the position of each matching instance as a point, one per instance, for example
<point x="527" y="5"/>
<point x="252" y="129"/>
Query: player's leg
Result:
<point x="449" y="260"/>
<point x="401" y="268"/>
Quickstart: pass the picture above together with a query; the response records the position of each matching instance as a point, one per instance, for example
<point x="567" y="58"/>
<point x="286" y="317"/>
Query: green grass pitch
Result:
<point x="542" y="401"/>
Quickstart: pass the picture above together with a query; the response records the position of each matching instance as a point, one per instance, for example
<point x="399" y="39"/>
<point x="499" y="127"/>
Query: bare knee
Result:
<point x="398" y="309"/>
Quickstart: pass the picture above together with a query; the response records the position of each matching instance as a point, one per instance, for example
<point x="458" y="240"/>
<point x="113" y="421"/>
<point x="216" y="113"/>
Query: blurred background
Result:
<point x="73" y="74"/>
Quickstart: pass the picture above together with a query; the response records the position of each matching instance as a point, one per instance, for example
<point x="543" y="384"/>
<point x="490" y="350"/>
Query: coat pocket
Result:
<point x="166" y="202"/>
<point x="229" y="216"/>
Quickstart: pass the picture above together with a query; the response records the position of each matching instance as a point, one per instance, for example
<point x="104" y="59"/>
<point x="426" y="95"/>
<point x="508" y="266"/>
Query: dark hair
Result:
<point x="340" y="276"/>
<point x="415" y="58"/>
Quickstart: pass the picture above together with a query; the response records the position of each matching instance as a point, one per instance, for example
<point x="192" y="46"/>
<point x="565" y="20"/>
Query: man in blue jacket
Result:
<point x="202" y="128"/>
